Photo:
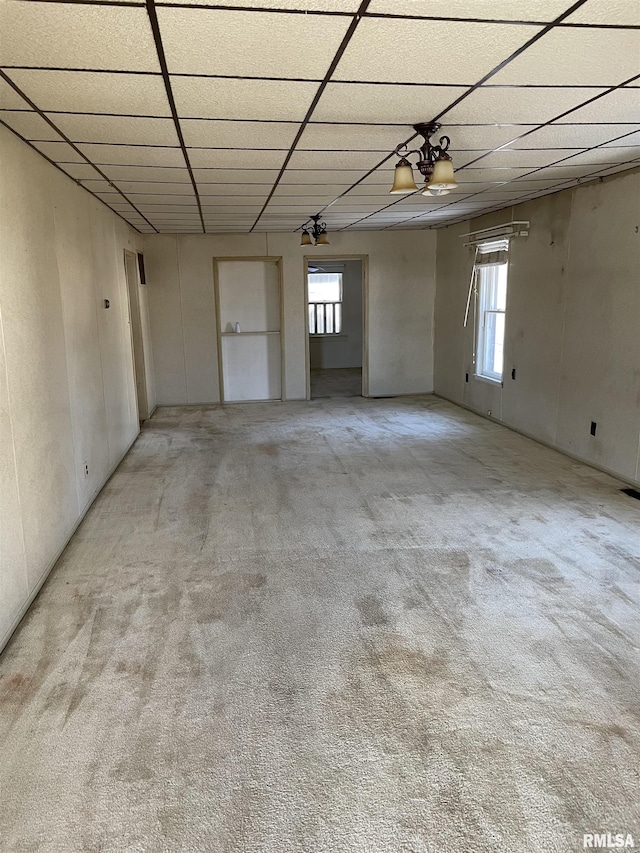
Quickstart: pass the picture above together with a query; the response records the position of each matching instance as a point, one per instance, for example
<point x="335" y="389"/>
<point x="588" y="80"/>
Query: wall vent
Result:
<point x="633" y="493"/>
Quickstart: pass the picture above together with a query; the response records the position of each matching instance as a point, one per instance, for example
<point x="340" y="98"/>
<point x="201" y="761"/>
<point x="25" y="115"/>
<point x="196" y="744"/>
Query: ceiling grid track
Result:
<point x="66" y="139"/>
<point x="334" y="64"/>
<point x="155" y="28"/>
<point x="192" y="117"/>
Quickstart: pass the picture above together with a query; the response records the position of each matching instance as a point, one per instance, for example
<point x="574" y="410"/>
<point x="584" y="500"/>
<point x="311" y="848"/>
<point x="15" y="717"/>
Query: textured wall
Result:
<point x="67" y="393"/>
<point x="400" y="308"/>
<point x="573" y="312"/>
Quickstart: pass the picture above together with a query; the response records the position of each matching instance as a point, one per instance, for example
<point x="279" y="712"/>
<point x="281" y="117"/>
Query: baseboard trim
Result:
<point x="52" y="563"/>
<point x="615" y="474"/>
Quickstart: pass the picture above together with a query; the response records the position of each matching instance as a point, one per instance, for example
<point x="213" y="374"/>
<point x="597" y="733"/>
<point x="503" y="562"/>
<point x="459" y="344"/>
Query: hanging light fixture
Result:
<point x="434" y="165"/>
<point x="314" y="234"/>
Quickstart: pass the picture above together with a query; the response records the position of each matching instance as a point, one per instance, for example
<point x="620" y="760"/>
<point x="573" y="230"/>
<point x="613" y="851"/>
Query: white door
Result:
<point x="249" y="330"/>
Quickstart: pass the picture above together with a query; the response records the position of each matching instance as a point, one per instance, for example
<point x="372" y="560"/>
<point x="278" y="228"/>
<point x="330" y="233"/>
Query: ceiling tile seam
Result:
<point x="155" y="29"/>
<point x="362" y="8"/>
<point x="491" y="73"/>
<point x="520" y="177"/>
<point x="527" y="133"/>
<point x="42" y="115"/>
<point x="556" y="119"/>
<point x="60" y="169"/>
<point x="543" y="32"/>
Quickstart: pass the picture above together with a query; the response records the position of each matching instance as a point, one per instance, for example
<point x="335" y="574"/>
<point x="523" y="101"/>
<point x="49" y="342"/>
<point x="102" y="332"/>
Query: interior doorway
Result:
<point x="335" y="290"/>
<point x="137" y="343"/>
<point x="249" y="309"/>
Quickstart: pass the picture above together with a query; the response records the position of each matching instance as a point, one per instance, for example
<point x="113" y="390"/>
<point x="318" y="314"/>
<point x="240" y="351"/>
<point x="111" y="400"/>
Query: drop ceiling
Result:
<point x="251" y="115"/>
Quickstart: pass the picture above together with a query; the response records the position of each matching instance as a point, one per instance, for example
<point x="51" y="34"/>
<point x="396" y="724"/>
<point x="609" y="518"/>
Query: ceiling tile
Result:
<point x="231" y="209"/>
<point x="170" y="210"/>
<point x="164" y="188"/>
<point x="570" y="56"/>
<point x="293" y="177"/>
<point x="353" y="137"/>
<point x="481" y="137"/>
<point x="287" y="192"/>
<point x="157" y="199"/>
<point x="570" y="135"/>
<point x="532" y="159"/>
<point x="384" y="103"/>
<point x="626" y="139"/>
<point x="256" y="177"/>
<point x="232" y="134"/>
<point x="132" y="155"/>
<point x="204" y="41"/>
<point x="61" y="35"/>
<point x="618" y="106"/>
<point x="526" y="105"/>
<point x="491" y="174"/>
<point x="605" y="156"/>
<point x="240" y="161"/>
<point x="219" y="190"/>
<point x="302" y="5"/>
<point x="456" y="53"/>
<point x="10" y="99"/>
<point x="145" y="173"/>
<point x="110" y="129"/>
<point x="201" y="97"/>
<point x="81" y="171"/>
<point x="362" y="160"/>
<point x="501" y="10"/>
<point x="29" y="124"/>
<point x="620" y="12"/>
<point x="59" y="152"/>
<point x="94" y="92"/>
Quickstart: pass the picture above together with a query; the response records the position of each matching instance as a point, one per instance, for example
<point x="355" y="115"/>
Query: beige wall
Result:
<point x="67" y="393"/>
<point x="183" y="322"/>
<point x="573" y="323"/>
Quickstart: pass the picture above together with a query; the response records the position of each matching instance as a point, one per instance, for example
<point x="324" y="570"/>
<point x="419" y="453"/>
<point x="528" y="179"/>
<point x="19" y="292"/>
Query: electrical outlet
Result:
<point x="86" y="470"/>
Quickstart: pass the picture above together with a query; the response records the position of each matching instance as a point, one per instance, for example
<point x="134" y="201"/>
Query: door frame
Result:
<point x="364" y="259"/>
<point x="275" y="259"/>
<point x="135" y="334"/>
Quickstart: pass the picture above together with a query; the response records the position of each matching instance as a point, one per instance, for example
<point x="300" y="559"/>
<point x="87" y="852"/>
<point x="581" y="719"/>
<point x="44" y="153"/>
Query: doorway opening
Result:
<point x="335" y="289"/>
<point x="132" y="270"/>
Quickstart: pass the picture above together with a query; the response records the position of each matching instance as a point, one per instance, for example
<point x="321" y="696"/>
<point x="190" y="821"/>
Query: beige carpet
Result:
<point x="344" y="626"/>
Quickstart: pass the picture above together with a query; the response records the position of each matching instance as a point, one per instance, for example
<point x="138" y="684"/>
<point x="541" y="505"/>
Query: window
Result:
<point x="325" y="303"/>
<point x="491" y="304"/>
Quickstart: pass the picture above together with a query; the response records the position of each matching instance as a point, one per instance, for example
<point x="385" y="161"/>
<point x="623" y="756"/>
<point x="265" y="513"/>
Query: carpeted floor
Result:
<point x="342" y="626"/>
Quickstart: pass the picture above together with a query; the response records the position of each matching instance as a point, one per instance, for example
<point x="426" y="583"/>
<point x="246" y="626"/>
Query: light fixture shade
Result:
<point x="403" y="181"/>
<point x="305" y="240"/>
<point x="322" y="239"/>
<point x="429" y="190"/>
<point x="443" y="177"/>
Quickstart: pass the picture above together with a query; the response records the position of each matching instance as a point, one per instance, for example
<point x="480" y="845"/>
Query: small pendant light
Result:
<point x="403" y="181"/>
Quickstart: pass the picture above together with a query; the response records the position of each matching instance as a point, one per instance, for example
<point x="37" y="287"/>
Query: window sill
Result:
<point x="489" y="381"/>
<point x="331" y="336"/>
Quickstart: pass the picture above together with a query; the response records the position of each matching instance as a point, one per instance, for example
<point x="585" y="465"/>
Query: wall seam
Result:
<point x="562" y="327"/>
<point x="66" y="361"/>
<point x="15" y="456"/>
<point x="184" y="346"/>
<point x="100" y="341"/>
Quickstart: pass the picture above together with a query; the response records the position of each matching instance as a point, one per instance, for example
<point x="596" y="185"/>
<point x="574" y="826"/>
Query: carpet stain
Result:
<point x="232" y="596"/>
<point x="372" y="611"/>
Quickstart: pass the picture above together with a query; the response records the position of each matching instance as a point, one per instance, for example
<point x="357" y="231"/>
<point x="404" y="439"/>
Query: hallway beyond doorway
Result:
<point x="336" y="382"/>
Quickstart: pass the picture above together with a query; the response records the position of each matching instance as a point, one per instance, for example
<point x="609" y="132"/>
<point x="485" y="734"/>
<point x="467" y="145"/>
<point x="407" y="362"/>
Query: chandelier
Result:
<point x="315" y="233"/>
<point x="434" y="165"/>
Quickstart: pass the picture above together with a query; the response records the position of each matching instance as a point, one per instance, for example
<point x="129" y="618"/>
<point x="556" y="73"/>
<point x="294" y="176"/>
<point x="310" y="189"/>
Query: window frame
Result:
<point x="336" y="308"/>
<point x="487" y="304"/>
